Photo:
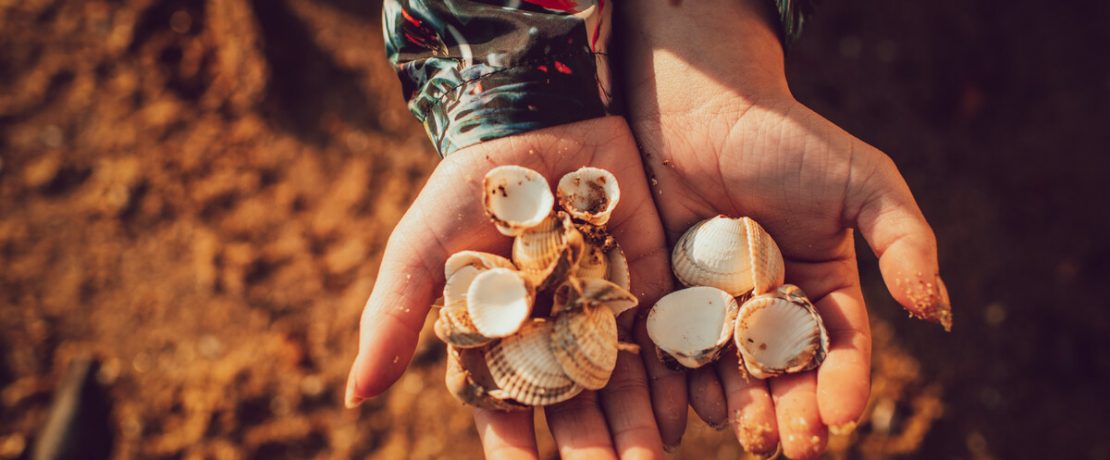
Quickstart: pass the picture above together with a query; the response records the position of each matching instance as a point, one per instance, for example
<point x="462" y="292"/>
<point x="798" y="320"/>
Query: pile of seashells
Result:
<point x="539" y="328"/>
<point x="776" y="329"/>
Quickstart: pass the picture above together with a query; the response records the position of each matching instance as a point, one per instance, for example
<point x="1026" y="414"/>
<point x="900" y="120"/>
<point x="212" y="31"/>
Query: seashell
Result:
<point x="589" y="194"/>
<point x="524" y="366"/>
<point x="780" y="333"/>
<point x="692" y="325"/>
<point x="549" y="252"/>
<point x="469" y="380"/>
<point x="576" y="293"/>
<point x="516" y="198"/>
<point x="734" y="255"/>
<point x="608" y="264"/>
<point x="499" y="301"/>
<point x="460" y="270"/>
<point x="584" y="342"/>
<point x="454" y="327"/>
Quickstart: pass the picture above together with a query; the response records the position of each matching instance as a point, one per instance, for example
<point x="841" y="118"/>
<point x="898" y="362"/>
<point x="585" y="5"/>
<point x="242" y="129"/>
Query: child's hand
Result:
<point x="721" y="134"/>
<point x="448" y="217"/>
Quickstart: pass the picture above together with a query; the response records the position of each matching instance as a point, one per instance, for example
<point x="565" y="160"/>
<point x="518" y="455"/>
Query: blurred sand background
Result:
<point x="196" y="193"/>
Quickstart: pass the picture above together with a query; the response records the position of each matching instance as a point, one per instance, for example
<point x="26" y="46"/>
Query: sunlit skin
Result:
<point x="447" y="217"/>
<point x="721" y="134"/>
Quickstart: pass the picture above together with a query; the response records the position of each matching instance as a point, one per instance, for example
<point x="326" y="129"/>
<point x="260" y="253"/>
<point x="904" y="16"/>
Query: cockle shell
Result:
<point x="692" y="325"/>
<point x="516" y="198"/>
<point x="734" y="255"/>
<point x="454" y="325"/>
<point x="548" y="252"/>
<point x="610" y="264"/>
<point x="780" y="333"/>
<point x="584" y="342"/>
<point x="526" y="368"/>
<point x="576" y="293"/>
<point x="499" y="301"/>
<point x="589" y="194"/>
<point x="469" y="380"/>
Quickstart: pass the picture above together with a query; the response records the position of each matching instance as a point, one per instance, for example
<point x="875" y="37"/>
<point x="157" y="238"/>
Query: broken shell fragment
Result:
<point x="692" y="325"/>
<point x="524" y="366"/>
<point x="469" y="380"/>
<point x="610" y="264"/>
<point x="734" y="255"/>
<point x="454" y="327"/>
<point x="780" y="333"/>
<point x="584" y="342"/>
<point x="516" y="198"/>
<point x="499" y="301"/>
<point x="589" y="194"/>
<point x="549" y="252"/>
<point x="577" y="293"/>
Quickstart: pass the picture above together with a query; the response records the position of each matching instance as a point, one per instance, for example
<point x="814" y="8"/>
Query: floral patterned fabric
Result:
<point x="475" y="70"/>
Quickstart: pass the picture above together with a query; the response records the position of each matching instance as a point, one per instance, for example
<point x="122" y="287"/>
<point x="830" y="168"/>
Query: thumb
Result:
<point x="394" y="314"/>
<point x="892" y="224"/>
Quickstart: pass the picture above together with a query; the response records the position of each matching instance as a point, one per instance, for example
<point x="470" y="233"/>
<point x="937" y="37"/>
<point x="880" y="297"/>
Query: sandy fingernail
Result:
<point x="843" y="429"/>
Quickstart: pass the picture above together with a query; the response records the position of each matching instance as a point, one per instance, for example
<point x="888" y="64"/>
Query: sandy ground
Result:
<point x="197" y="194"/>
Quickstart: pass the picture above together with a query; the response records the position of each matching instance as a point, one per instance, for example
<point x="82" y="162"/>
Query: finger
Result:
<point x="707" y="398"/>
<point x="668" y="391"/>
<point x="579" y="428"/>
<point x="905" y="244"/>
<point x="844" y="378"/>
<point x="626" y="401"/>
<point x="506" y="435"/>
<point x="800" y="429"/>
<point x="751" y="412"/>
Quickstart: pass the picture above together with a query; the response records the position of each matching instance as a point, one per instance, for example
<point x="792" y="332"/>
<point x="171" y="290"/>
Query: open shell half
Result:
<point x="584" y="342"/>
<point x="499" y="301"/>
<point x="576" y="293"/>
<point x="692" y="325"/>
<point x="516" y="198"/>
<point x="589" y="194"/>
<point x="454" y="325"/>
<point x="780" y="333"/>
<point x="524" y="366"/>
<point x="469" y="381"/>
<point x="735" y="255"/>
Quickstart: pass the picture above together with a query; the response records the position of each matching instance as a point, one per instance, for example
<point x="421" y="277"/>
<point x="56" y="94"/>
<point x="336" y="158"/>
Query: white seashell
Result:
<point x="734" y="255"/>
<point x="589" y="194"/>
<point x="692" y="325"/>
<point x="499" y="301"/>
<point x="584" y="342"/>
<point x="608" y="264"/>
<point x="469" y="380"/>
<point x="618" y="272"/>
<point x="780" y="333"/>
<point x="524" y="366"/>
<point x="549" y="252"/>
<point x="460" y="270"/>
<point x="576" y="293"/>
<point x="516" y="198"/>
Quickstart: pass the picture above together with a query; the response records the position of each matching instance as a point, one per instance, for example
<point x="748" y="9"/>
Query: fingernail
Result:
<point x="930" y="299"/>
<point x="669" y="448"/>
<point x="351" y="399"/>
<point x="719" y="426"/>
<point x="774" y="453"/>
<point x="843" y="429"/>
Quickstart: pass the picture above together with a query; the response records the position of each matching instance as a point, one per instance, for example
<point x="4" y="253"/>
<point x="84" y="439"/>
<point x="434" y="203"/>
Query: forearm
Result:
<point x="695" y="55"/>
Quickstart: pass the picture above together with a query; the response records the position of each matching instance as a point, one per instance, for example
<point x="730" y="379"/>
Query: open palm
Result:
<point x="448" y="217"/>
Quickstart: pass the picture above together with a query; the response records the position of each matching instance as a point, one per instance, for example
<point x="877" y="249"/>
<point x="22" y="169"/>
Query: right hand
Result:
<point x="448" y="217"/>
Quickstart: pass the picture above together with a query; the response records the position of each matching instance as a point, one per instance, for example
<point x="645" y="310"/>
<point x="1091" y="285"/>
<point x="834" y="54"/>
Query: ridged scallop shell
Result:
<point x="469" y="380"/>
<point x="524" y="366"/>
<point x="499" y="301"/>
<point x="549" y="252"/>
<point x="516" y="198"/>
<point x="584" y="342"/>
<point x="780" y="333"/>
<point x="734" y="255"/>
<point x="576" y="293"/>
<point x="589" y="194"/>
<point x="692" y="325"/>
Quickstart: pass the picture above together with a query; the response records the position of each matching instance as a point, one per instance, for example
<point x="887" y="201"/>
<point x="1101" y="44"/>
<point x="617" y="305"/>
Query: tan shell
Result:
<point x="608" y="264"/>
<point x="516" y="198"/>
<point x="468" y="379"/>
<point x="734" y="255"/>
<point x="780" y="333"/>
<point x="549" y="252"/>
<point x="576" y="293"/>
<point x="692" y="325"/>
<point x="499" y="301"/>
<point x="454" y="327"/>
<point x="460" y="270"/>
<point x="589" y="194"/>
<point x="584" y="342"/>
<point x="524" y="366"/>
